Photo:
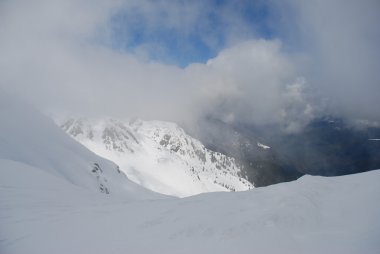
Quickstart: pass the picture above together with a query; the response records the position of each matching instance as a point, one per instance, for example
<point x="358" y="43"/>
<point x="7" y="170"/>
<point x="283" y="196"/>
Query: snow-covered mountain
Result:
<point x="31" y="139"/>
<point x="52" y="201"/>
<point x="158" y="155"/>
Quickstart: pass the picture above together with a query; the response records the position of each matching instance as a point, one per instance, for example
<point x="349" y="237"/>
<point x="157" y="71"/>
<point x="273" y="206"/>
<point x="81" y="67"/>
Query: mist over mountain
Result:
<point x="326" y="146"/>
<point x="57" y="196"/>
<point x="31" y="141"/>
<point x="158" y="155"/>
<point x="263" y="63"/>
<point x="331" y="146"/>
<point x="264" y="112"/>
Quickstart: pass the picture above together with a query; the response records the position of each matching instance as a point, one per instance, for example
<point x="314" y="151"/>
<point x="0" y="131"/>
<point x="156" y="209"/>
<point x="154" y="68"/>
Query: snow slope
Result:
<point x="30" y="138"/>
<point x="52" y="202"/>
<point x="158" y="155"/>
<point x="42" y="213"/>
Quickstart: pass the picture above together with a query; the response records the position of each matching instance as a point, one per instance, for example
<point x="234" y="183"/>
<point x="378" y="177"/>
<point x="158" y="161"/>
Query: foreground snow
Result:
<point x="41" y="213"/>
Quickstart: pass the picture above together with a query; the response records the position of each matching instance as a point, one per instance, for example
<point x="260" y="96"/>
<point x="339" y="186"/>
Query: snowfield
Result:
<point x="43" y="214"/>
<point x="56" y="196"/>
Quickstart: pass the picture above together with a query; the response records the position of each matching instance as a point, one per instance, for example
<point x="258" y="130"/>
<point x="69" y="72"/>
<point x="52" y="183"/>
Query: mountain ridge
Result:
<point x="159" y="155"/>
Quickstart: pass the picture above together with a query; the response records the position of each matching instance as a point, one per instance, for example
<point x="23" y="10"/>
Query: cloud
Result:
<point x="341" y="39"/>
<point x="60" y="56"/>
<point x="247" y="82"/>
<point x="182" y="31"/>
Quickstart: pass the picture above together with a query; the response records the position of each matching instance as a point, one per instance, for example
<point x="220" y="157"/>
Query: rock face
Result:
<point x="159" y="155"/>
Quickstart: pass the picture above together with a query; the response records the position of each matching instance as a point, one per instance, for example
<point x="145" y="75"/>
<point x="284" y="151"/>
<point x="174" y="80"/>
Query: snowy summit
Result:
<point x="158" y="155"/>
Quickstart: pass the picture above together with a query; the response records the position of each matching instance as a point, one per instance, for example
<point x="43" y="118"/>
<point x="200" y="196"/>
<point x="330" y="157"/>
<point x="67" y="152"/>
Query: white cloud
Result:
<point x="341" y="39"/>
<point x="50" y="55"/>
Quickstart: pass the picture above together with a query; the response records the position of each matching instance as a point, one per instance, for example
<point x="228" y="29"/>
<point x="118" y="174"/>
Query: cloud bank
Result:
<point x="61" y="56"/>
<point x="341" y="39"/>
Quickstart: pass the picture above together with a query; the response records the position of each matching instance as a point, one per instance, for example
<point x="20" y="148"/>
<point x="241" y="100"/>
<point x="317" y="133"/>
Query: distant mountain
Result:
<point x="327" y="146"/>
<point x="257" y="156"/>
<point x="330" y="146"/>
<point x="159" y="155"/>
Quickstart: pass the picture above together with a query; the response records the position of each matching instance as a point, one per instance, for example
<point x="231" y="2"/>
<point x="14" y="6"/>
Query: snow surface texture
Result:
<point x="158" y="155"/>
<point x="30" y="138"/>
<point x="43" y="214"/>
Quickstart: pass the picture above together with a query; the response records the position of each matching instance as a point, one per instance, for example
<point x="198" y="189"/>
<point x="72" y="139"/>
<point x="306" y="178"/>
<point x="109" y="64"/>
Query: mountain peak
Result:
<point x="159" y="155"/>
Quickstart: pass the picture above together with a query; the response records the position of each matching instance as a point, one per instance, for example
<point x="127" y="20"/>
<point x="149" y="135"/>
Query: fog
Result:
<point x="62" y="57"/>
<point x="341" y="39"/>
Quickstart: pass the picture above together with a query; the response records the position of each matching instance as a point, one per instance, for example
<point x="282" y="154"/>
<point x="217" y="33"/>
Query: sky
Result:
<point x="258" y="62"/>
<point x="186" y="32"/>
